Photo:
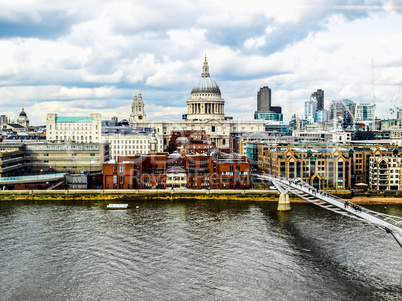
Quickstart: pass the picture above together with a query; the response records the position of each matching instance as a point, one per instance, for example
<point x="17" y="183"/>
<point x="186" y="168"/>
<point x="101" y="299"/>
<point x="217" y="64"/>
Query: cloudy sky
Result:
<point x="75" y="57"/>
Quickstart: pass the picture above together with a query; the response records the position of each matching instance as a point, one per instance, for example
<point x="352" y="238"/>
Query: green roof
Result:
<point x="81" y="119"/>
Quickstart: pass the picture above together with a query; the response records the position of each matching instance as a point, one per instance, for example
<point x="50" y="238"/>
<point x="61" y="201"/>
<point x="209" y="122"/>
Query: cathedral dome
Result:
<point x="206" y="84"/>
<point x="23" y="114"/>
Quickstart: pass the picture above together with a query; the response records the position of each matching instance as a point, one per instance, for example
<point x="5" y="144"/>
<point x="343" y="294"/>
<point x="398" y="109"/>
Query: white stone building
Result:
<point x="338" y="136"/>
<point x="124" y="141"/>
<point x="389" y="124"/>
<point x="131" y="143"/>
<point x="83" y="129"/>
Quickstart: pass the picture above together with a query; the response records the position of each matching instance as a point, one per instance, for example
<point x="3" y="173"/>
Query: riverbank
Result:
<point x="176" y="194"/>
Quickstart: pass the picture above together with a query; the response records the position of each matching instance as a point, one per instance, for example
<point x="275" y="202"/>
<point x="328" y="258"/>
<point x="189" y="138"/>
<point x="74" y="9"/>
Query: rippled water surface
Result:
<point x="193" y="250"/>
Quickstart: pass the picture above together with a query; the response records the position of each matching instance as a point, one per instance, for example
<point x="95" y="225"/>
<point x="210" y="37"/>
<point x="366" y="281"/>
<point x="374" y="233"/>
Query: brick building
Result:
<point x="223" y="171"/>
<point x="324" y="168"/>
<point x="187" y="142"/>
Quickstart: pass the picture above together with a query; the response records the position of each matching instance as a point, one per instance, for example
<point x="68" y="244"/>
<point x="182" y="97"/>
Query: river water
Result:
<point x="193" y="250"/>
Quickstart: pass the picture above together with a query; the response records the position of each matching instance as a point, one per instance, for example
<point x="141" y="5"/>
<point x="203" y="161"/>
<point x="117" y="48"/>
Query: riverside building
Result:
<point x="386" y="173"/>
<point x="218" y="171"/>
<point x="40" y="157"/>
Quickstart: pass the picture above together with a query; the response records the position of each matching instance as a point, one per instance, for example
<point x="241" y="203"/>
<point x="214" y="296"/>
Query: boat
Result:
<point x="117" y="206"/>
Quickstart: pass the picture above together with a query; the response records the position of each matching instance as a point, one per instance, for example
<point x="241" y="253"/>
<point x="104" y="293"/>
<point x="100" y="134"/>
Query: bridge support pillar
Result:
<point x="284" y="202"/>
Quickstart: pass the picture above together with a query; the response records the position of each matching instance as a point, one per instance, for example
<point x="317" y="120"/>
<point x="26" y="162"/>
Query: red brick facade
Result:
<point x="149" y="171"/>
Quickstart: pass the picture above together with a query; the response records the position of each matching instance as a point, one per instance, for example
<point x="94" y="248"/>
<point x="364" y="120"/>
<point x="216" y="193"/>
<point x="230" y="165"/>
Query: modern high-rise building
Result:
<point x="264" y="108"/>
<point x="319" y="97"/>
<point x="321" y="115"/>
<point x="310" y="108"/>
<point x="264" y="99"/>
<point x="365" y="113"/>
<point x="342" y="110"/>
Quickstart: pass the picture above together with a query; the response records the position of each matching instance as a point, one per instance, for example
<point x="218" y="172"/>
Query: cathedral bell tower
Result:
<point x="137" y="110"/>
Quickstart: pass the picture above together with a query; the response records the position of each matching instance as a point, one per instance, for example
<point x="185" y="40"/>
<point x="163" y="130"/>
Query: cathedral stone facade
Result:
<point x="205" y="112"/>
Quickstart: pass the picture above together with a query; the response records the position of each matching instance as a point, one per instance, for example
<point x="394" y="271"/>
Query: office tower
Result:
<point x="264" y="99"/>
<point x="310" y="108"/>
<point x="319" y="97"/>
<point x="342" y="110"/>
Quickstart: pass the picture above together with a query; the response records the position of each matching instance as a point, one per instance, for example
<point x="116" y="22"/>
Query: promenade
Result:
<point x="179" y="193"/>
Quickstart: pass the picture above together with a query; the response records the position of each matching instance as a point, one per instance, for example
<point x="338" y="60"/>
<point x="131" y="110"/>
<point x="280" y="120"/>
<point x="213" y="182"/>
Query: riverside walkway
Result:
<point x="390" y="224"/>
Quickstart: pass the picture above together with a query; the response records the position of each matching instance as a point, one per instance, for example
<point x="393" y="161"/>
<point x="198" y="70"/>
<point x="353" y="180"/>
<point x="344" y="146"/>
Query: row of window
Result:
<point x="72" y="154"/>
<point x="74" y="161"/>
<point x="74" y="138"/>
<point x="73" y="126"/>
<point x="128" y="141"/>
<point x="129" y="147"/>
<point x="62" y="147"/>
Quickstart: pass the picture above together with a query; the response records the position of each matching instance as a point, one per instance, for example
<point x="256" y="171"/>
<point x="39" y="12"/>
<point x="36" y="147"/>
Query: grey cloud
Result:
<point x="51" y="25"/>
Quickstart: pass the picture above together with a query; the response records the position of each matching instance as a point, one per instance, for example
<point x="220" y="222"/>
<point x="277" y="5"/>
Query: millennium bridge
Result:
<point x="299" y="188"/>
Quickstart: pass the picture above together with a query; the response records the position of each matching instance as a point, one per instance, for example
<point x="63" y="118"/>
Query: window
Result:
<point x="92" y="154"/>
<point x="46" y="155"/>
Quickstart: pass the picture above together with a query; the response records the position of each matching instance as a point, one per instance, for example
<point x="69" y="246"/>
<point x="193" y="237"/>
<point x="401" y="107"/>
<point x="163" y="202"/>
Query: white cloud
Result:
<point x="109" y="49"/>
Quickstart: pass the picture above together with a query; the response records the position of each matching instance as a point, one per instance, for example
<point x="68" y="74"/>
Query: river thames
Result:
<point x="193" y="250"/>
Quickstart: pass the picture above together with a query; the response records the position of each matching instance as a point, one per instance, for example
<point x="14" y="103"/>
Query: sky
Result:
<point x="74" y="57"/>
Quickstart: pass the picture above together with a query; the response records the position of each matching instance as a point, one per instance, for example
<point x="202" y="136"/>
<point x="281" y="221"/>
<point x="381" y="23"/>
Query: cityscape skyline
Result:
<point x="76" y="58"/>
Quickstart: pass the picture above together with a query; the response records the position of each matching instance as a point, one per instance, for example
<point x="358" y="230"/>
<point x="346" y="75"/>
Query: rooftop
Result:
<point x="73" y="119"/>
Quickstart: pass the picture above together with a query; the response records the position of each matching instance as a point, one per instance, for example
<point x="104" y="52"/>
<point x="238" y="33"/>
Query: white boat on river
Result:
<point x="117" y="206"/>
